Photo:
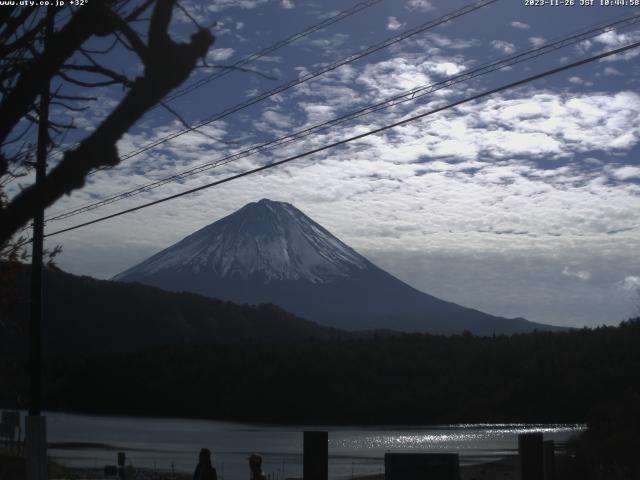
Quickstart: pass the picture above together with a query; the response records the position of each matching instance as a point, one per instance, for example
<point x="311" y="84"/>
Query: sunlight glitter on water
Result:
<point x="450" y="436"/>
<point x="173" y="443"/>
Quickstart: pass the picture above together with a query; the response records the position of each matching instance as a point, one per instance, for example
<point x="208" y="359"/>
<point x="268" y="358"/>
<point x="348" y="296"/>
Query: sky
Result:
<point x="525" y="203"/>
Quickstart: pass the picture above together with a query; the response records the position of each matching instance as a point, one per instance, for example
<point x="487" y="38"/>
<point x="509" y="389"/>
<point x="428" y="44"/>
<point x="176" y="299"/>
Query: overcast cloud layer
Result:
<point x="523" y="204"/>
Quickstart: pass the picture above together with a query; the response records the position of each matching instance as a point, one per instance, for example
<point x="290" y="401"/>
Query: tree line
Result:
<point x="392" y="379"/>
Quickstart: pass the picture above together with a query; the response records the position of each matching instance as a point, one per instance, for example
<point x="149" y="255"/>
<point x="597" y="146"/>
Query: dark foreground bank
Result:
<point x="503" y="469"/>
<point x="507" y="468"/>
<point x="559" y="377"/>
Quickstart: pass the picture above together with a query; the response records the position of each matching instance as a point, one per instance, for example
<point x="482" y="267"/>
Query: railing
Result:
<point x="11" y="443"/>
<point x="14" y="448"/>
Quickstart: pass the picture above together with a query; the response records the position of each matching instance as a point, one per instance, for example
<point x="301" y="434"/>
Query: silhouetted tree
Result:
<point x="27" y="64"/>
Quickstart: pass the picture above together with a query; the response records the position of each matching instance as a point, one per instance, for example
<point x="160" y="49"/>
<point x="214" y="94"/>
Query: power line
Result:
<point x="356" y="56"/>
<point x="276" y="46"/>
<point x="309" y="76"/>
<point x="410" y="95"/>
<point x="357" y="137"/>
<point x="270" y="93"/>
<point x="266" y="51"/>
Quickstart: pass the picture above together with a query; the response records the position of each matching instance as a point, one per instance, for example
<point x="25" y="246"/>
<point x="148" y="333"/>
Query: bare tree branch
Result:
<point x="135" y="42"/>
<point x="167" y="65"/>
<point x="104" y="51"/>
<point x="188" y="15"/>
<point x="69" y="107"/>
<point x="20" y="136"/>
<point x="73" y="97"/>
<point x="11" y="24"/>
<point x="100" y="70"/>
<point x="87" y="21"/>
<point x="57" y="126"/>
<point x="23" y="40"/>
<point x="186" y="125"/>
<point x="135" y="14"/>
<point x="82" y="83"/>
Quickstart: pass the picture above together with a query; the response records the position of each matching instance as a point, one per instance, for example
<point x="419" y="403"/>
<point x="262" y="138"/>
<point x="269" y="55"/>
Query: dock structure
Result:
<point x="531" y="453"/>
<point x="316" y="455"/>
<point x="421" y="466"/>
<point x="549" y="454"/>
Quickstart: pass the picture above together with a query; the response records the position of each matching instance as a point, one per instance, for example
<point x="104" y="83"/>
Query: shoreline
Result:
<point x="505" y="468"/>
<point x="311" y="424"/>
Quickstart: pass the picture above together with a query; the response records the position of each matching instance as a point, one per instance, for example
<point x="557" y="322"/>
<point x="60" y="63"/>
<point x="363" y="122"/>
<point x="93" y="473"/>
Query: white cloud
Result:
<point x="520" y="25"/>
<point x="219" y="5"/>
<point x="522" y="283"/>
<point x="393" y="76"/>
<point x="537" y="41"/>
<point x="473" y="167"/>
<point x="270" y="59"/>
<point x="629" y="284"/>
<point x="584" y="46"/>
<point x="276" y="119"/>
<point x="625" y="173"/>
<point x="443" y="41"/>
<point x="579" y="274"/>
<point x="397" y="75"/>
<point x="593" y="161"/>
<point x="330" y="43"/>
<point x="503" y="179"/>
<point x="613" y="39"/>
<point x="209" y="12"/>
<point x="288" y="4"/>
<point x="419" y="5"/>
<point x="569" y="125"/>
<point x="393" y="24"/>
<point x="503" y="46"/>
<point x="219" y="54"/>
<point x="580" y="81"/>
<point x="317" y="113"/>
<point x="610" y="71"/>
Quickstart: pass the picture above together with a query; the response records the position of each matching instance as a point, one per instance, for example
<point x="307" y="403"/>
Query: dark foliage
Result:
<point x="85" y="315"/>
<point x="608" y="448"/>
<point x="27" y="66"/>
<point x="406" y="379"/>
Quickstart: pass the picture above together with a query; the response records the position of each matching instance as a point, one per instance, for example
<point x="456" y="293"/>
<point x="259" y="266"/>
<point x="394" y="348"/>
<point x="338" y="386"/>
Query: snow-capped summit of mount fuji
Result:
<point x="267" y="240"/>
<point x="271" y="252"/>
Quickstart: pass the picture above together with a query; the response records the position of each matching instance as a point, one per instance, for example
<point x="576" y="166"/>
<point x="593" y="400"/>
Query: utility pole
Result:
<point x="36" y="437"/>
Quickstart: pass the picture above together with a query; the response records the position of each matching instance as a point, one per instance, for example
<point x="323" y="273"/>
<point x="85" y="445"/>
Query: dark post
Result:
<point x="531" y="456"/>
<point x="121" y="464"/>
<point x="37" y="248"/>
<point x="419" y="466"/>
<point x="36" y="437"/>
<point x="315" y="456"/>
<point x="110" y="471"/>
<point x="549" y="449"/>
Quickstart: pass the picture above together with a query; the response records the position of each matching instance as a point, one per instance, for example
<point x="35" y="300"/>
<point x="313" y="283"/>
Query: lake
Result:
<point x="166" y="443"/>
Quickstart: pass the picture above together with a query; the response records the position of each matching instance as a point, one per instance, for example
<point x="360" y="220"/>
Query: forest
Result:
<point x="260" y="364"/>
<point x="387" y="379"/>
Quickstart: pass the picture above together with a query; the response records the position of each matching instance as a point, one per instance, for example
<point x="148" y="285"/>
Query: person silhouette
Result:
<point x="255" y="465"/>
<point x="204" y="469"/>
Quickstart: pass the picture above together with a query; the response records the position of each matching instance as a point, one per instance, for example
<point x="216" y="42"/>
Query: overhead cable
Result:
<point x="407" y="96"/>
<point x="356" y="137"/>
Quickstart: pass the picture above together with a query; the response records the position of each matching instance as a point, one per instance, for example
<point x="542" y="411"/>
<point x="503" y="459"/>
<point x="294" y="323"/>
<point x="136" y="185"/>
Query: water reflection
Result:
<point x="166" y="444"/>
<point x="457" y="437"/>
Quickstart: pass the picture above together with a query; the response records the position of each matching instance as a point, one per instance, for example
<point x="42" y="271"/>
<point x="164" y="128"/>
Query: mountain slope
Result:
<point x="83" y="314"/>
<point x="272" y="252"/>
<point x="266" y="240"/>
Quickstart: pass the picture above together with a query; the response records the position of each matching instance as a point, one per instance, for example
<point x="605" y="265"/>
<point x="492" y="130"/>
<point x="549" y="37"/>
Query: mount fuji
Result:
<point x="271" y="252"/>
